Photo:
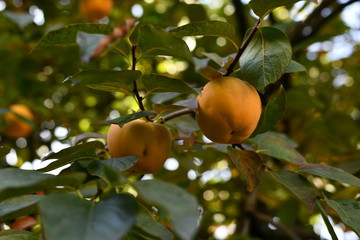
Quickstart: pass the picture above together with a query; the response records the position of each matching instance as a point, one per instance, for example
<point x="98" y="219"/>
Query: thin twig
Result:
<point x="135" y="90"/>
<point x="242" y="48"/>
<point x="177" y="114"/>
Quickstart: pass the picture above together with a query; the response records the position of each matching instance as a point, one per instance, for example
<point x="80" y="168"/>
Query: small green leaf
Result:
<point x="17" y="235"/>
<point x="4" y="151"/>
<point x="158" y="83"/>
<point x="117" y="164"/>
<point x="15" y="182"/>
<point x="295" y="67"/>
<point x="273" y="112"/>
<point x="266" y="58"/>
<point x="207" y="28"/>
<point x="130" y="117"/>
<point x="18" y="206"/>
<point x="348" y="210"/>
<point x="106" y="80"/>
<point x="177" y="203"/>
<point x="298" y="185"/>
<point x="249" y="164"/>
<point x="147" y="224"/>
<point x="264" y="7"/>
<point x="278" y="148"/>
<point x="85" y="151"/>
<point x="331" y="173"/>
<point x="66" y="36"/>
<point x="156" y="41"/>
<point x="73" y="218"/>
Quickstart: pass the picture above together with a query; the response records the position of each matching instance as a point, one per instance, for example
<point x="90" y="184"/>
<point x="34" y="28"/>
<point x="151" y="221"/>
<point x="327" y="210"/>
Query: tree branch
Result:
<point x="178" y="114"/>
<point x="242" y="48"/>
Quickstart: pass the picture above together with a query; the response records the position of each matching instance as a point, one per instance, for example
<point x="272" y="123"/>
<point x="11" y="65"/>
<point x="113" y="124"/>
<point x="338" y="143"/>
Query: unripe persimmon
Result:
<point x="228" y="110"/>
<point x="16" y="127"/>
<point x="96" y="9"/>
<point x="150" y="141"/>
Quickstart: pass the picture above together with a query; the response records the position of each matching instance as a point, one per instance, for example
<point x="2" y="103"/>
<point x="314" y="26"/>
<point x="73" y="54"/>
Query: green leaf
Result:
<point x="282" y="136"/>
<point x="298" y="185"/>
<point x="295" y="67"/>
<point x="4" y="151"/>
<point x="15" y="182"/>
<point x="66" y="36"/>
<point x="278" y="148"/>
<point x="348" y="210"/>
<point x="158" y="83"/>
<point x="88" y="44"/>
<point x="130" y="117"/>
<point x="18" y="206"/>
<point x="22" y="19"/>
<point x="117" y="164"/>
<point x="266" y="58"/>
<point x="330" y="172"/>
<point x="156" y="41"/>
<point x="326" y="220"/>
<point x="207" y="28"/>
<point x="19" y="237"/>
<point x="85" y="151"/>
<point x="273" y="112"/>
<point x="147" y="224"/>
<point x="264" y="7"/>
<point x="67" y="217"/>
<point x="177" y="203"/>
<point x="106" y="80"/>
<point x="249" y="164"/>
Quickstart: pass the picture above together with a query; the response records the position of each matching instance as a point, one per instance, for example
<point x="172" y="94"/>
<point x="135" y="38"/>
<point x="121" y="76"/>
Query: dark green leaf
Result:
<point x="207" y="28"/>
<point x="148" y="225"/>
<point x="66" y="36"/>
<point x="15" y="182"/>
<point x="249" y="164"/>
<point x="157" y="83"/>
<point x="4" y="151"/>
<point x="278" y="148"/>
<point x="273" y="112"/>
<point x="11" y="232"/>
<point x="130" y="117"/>
<point x="177" y="203"/>
<point x="264" y="7"/>
<point x="331" y="173"/>
<point x="18" y="237"/>
<point x="156" y="41"/>
<point x="282" y="136"/>
<point x="117" y="164"/>
<point x="295" y="67"/>
<point x="349" y="212"/>
<point x="106" y="80"/>
<point x="85" y="151"/>
<point x="298" y="185"/>
<point x="77" y="219"/>
<point x="266" y="58"/>
<point x="88" y="44"/>
<point x="18" y="206"/>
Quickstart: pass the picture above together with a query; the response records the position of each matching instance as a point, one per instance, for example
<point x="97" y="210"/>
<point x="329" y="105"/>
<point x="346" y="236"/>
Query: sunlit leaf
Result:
<point x="156" y="41"/>
<point x="331" y="173"/>
<point x="207" y="28"/>
<point x="278" y="148"/>
<point x="66" y="36"/>
<point x="109" y="219"/>
<point x="177" y="203"/>
<point x="106" y="80"/>
<point x="298" y="185"/>
<point x="18" y="206"/>
<point x="264" y="7"/>
<point x="266" y="57"/>
<point x="249" y="164"/>
<point x="158" y="83"/>
<point x="130" y="117"/>
<point x="15" y="182"/>
<point x="348" y="210"/>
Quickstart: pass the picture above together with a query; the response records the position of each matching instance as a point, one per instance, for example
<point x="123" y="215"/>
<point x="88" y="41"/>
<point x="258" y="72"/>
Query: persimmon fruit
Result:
<point x="96" y="9"/>
<point x="150" y="141"/>
<point x="15" y="126"/>
<point x="229" y="110"/>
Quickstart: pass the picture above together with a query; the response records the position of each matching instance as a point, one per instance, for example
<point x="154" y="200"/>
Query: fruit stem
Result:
<point x="242" y="48"/>
<point x="135" y="90"/>
<point x="177" y="114"/>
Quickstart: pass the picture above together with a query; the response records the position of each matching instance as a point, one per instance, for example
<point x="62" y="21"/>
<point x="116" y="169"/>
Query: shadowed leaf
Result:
<point x="157" y="83"/>
<point x="19" y="206"/>
<point x="130" y="117"/>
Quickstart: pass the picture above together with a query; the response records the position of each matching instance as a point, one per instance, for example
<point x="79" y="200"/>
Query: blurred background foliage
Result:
<point x="322" y="116"/>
